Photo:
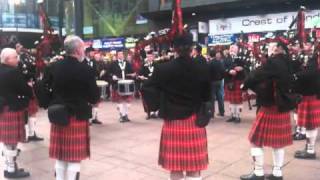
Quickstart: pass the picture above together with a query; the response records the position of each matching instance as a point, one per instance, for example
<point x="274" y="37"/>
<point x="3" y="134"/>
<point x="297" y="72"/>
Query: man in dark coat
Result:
<point x="93" y="64"/>
<point x="28" y="67"/>
<point x="177" y="89"/>
<point x="14" y="99"/>
<point x="121" y="69"/>
<point x="74" y="87"/>
<point x="217" y="73"/>
<point x="197" y="54"/>
<point x="145" y="73"/>
<point x="272" y="127"/>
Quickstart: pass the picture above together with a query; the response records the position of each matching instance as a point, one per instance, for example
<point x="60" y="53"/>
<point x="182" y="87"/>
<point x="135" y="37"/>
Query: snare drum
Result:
<point x="103" y="85"/>
<point x="126" y="87"/>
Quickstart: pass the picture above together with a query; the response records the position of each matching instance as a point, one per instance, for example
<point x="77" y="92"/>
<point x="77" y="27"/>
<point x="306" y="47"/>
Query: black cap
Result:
<point x="89" y="49"/>
<point x="185" y="39"/>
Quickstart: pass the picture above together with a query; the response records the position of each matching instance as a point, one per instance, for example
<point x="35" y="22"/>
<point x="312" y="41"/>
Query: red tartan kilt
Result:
<point x="309" y="112"/>
<point x="33" y="107"/>
<point x="12" y="128"/>
<point x="70" y="143"/>
<point x="117" y="98"/>
<point x="235" y="96"/>
<point x="183" y="146"/>
<point x="271" y="128"/>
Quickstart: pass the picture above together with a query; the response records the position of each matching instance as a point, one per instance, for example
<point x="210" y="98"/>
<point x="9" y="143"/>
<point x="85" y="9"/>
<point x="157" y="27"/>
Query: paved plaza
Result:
<point x="129" y="151"/>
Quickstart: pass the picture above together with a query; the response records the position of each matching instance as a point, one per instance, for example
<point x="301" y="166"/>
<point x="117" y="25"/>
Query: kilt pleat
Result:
<point x="70" y="143"/>
<point x="12" y="128"/>
<point x="33" y="107"/>
<point x="235" y="96"/>
<point x="309" y="112"/>
<point x="271" y="128"/>
<point x="183" y="146"/>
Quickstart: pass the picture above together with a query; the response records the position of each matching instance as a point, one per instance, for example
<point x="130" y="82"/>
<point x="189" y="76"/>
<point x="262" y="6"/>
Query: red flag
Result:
<point x="177" y="19"/>
<point x="301" y="27"/>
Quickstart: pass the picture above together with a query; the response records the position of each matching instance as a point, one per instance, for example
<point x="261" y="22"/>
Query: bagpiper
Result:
<point x="15" y="94"/>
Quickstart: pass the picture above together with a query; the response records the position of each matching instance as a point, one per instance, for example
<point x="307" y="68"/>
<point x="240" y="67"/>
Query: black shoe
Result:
<point x="78" y="176"/>
<point x="237" y="120"/>
<point x="251" y="176"/>
<point x="16" y="174"/>
<point x="221" y="114"/>
<point x="298" y="136"/>
<point x="124" y="119"/>
<point x="231" y="119"/>
<point x="96" y="121"/>
<point x="272" y="177"/>
<point x="127" y="118"/>
<point x="153" y="116"/>
<point x="304" y="155"/>
<point x="34" y="138"/>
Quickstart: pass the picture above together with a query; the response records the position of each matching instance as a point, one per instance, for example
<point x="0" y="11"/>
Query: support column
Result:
<point x="78" y="12"/>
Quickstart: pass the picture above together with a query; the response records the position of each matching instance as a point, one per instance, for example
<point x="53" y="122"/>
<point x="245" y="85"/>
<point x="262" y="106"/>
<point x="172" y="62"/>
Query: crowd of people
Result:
<point x="173" y="85"/>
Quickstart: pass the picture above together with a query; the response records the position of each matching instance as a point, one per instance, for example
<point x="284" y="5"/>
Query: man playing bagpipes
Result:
<point x="28" y="67"/>
<point x="235" y="73"/>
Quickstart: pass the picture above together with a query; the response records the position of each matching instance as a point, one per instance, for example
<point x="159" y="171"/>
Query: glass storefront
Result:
<point x="24" y="13"/>
<point x="114" y="17"/>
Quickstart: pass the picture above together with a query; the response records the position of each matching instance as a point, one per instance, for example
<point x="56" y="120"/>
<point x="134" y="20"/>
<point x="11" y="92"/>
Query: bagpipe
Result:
<point x="177" y="28"/>
<point x="48" y="42"/>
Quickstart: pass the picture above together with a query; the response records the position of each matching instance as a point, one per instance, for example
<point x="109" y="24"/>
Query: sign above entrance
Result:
<point x="261" y="23"/>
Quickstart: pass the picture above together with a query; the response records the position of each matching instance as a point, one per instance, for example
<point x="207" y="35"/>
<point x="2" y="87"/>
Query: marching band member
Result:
<point x="121" y="69"/>
<point x="14" y="99"/>
<point x="272" y="126"/>
<point x="91" y="61"/>
<point x="28" y="68"/>
<point x="235" y="74"/>
<point x="183" y="85"/>
<point x="308" y="84"/>
<point x="74" y="86"/>
<point x="144" y="74"/>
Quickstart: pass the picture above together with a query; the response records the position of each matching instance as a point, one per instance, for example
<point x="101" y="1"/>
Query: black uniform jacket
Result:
<point x="273" y="77"/>
<point x="14" y="90"/>
<point x="200" y="59"/>
<point x="177" y="88"/>
<point x="116" y="70"/>
<point x="217" y="70"/>
<point x="231" y="64"/>
<point x="308" y="79"/>
<point x="73" y="84"/>
<point x="145" y="71"/>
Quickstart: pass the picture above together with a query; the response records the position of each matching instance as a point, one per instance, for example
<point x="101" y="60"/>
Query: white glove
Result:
<point x="103" y="72"/>
<point x="114" y="77"/>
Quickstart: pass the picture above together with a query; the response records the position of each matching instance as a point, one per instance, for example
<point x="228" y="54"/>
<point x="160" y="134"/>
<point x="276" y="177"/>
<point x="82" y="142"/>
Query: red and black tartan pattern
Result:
<point x="33" y="107"/>
<point x="309" y="112"/>
<point x="235" y="96"/>
<point x="70" y="143"/>
<point x="271" y="128"/>
<point x="12" y="128"/>
<point x="183" y="146"/>
<point x="115" y="97"/>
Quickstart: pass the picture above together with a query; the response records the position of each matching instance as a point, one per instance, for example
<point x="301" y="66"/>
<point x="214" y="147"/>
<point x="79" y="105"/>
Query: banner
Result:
<point x="113" y="43"/>
<point x="261" y="23"/>
<point x="131" y="42"/>
<point x="220" y="40"/>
